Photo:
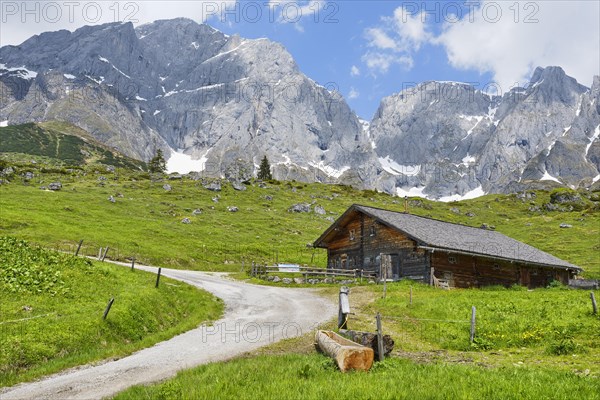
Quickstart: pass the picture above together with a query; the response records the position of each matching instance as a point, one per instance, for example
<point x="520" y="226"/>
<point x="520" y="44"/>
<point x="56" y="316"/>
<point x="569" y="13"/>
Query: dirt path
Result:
<point x="254" y="316"/>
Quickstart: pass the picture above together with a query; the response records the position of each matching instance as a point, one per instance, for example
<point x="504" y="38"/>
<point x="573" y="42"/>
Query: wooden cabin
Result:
<point x="397" y="245"/>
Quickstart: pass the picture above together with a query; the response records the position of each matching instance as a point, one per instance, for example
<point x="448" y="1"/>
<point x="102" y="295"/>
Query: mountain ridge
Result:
<point x="225" y="101"/>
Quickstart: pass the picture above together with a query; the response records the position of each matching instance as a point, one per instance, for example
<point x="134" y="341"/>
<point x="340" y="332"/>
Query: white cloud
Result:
<point x="19" y="21"/>
<point x="395" y="40"/>
<point x="566" y="34"/>
<point x="294" y="11"/>
<point x="354" y="71"/>
<point x="354" y="94"/>
<point x="379" y="62"/>
<point x="507" y="39"/>
<point x="379" y="39"/>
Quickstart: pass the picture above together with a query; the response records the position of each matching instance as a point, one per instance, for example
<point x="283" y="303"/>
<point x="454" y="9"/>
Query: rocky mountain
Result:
<point x="226" y="101"/>
<point x="223" y="100"/>
<point x="447" y="138"/>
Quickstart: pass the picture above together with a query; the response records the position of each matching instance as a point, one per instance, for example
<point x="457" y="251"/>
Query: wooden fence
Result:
<point x="263" y="271"/>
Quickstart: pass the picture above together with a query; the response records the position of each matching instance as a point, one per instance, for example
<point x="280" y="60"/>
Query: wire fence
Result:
<point x="201" y="254"/>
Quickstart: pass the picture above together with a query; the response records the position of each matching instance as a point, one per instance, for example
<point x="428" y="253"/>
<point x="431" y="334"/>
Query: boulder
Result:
<point x="287" y="281"/>
<point x="232" y="209"/>
<point x="563" y="225"/>
<point x="197" y="211"/>
<point x="213" y="186"/>
<point x="299" y="281"/>
<point x="300" y="208"/>
<point x="55" y="186"/>
<point x="565" y="197"/>
<point x="276" y="279"/>
<point x="319" y="210"/>
<point x="28" y="175"/>
<point x="167" y="187"/>
<point x="238" y="186"/>
<point x="186" y="221"/>
<point x="455" y="210"/>
<point x="112" y="199"/>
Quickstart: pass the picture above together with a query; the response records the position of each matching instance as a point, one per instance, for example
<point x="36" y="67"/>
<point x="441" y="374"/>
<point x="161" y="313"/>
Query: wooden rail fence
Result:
<point x="263" y="271"/>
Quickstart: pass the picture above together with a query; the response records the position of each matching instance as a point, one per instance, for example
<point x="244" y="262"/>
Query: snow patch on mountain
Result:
<point x="396" y="169"/>
<point x="473" y="194"/>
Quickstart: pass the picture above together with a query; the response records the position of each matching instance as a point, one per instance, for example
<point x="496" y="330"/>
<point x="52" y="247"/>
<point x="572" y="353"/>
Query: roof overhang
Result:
<point x="512" y="260"/>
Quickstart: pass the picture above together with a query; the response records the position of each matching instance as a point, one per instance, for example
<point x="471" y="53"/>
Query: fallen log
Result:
<point x="369" y="339"/>
<point x="347" y="354"/>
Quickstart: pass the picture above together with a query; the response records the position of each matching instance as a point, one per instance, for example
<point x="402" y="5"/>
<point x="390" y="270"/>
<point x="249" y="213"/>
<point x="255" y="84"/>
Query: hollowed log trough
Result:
<point x="347" y="354"/>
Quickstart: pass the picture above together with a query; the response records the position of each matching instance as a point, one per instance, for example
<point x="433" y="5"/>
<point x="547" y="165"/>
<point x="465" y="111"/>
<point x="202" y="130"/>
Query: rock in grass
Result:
<point x="298" y="281"/>
<point x="320" y="210"/>
<point x="186" y="221"/>
<point x="455" y="210"/>
<point x="566" y="226"/>
<point x="112" y="199"/>
<point x="300" y="208"/>
<point x="233" y="209"/>
<point x="197" y="211"/>
<point x="213" y="186"/>
<point x="55" y="186"/>
<point x="238" y="186"/>
<point x="276" y="279"/>
<point x="287" y="281"/>
<point x="167" y="187"/>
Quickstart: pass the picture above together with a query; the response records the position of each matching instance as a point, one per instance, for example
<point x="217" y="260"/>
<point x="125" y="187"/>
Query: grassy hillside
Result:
<point x="62" y="143"/>
<point x="314" y="377"/>
<point x="51" y="307"/>
<point x="537" y="344"/>
<point x="145" y="220"/>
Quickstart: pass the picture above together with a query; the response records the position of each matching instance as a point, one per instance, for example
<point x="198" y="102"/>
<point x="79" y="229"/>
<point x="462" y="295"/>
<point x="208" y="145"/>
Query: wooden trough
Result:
<point x="369" y="339"/>
<point x="346" y="353"/>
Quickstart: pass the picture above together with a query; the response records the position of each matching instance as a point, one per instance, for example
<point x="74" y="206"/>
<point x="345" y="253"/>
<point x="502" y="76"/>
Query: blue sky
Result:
<point x="371" y="49"/>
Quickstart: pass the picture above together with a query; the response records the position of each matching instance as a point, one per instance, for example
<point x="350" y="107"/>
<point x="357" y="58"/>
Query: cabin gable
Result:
<point x="359" y="244"/>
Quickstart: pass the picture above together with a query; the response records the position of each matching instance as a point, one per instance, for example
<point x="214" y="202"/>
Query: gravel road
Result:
<point x="254" y="316"/>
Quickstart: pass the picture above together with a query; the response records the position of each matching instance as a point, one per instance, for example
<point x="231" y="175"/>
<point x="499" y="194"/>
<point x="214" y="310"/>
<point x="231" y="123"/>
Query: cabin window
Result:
<point x="352" y="234"/>
<point x="372" y="230"/>
<point x="452" y="259"/>
<point x="496" y="267"/>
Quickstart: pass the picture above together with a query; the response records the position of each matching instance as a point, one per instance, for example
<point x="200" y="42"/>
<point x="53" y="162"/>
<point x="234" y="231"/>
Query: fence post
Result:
<point x="108" y="306"/>
<point x="344" y="308"/>
<point x="473" y="312"/>
<point x="158" y="277"/>
<point x="594" y="305"/>
<point x="379" y="338"/>
<point x="132" y="263"/>
<point x="105" y="253"/>
<point x="78" y="248"/>
<point x="100" y="253"/>
<point x="410" y="296"/>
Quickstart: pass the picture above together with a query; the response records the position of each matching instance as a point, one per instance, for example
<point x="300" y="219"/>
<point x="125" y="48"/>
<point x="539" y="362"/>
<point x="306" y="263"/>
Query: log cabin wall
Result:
<point x="359" y="244"/>
<point x="464" y="271"/>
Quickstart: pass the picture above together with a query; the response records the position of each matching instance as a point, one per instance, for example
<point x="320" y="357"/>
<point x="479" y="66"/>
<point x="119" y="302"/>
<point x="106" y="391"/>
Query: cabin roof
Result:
<point x="439" y="235"/>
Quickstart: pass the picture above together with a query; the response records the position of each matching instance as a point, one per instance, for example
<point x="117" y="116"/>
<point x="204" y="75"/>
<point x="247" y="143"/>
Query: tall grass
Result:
<point x="315" y="377"/>
<point x="51" y="308"/>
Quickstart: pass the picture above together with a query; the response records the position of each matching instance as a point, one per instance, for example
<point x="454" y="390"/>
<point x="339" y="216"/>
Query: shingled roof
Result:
<point x="442" y="235"/>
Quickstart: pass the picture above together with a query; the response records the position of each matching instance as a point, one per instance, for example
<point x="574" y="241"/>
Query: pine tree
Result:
<point x="157" y="164"/>
<point x="264" y="172"/>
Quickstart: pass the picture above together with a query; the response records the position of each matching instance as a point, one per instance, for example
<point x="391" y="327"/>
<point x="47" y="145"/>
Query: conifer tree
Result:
<point x="157" y="164"/>
<point x="264" y="172"/>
